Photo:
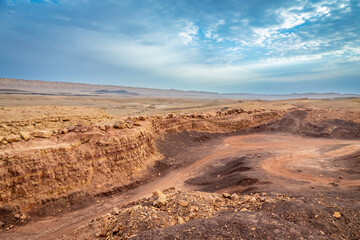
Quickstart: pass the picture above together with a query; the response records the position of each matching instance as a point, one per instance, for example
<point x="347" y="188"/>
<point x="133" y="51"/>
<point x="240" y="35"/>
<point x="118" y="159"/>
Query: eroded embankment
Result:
<point x="68" y="166"/>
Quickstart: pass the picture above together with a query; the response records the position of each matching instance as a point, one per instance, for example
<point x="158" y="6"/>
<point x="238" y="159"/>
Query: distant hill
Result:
<point x="103" y="91"/>
<point x="19" y="86"/>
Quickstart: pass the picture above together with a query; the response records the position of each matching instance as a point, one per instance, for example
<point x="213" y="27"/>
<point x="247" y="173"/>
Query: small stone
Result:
<point x="181" y="220"/>
<point x="17" y="216"/>
<point x="25" y="135"/>
<point x="234" y="196"/>
<point x="13" y="138"/>
<point x="183" y="203"/>
<point x="243" y="209"/>
<point x="120" y="125"/>
<point x="43" y="134"/>
<point x="253" y="229"/>
<point x="101" y="234"/>
<point x="116" y="211"/>
<point x="337" y="214"/>
<point x="186" y="218"/>
<point x="64" y="131"/>
<point x="2" y="224"/>
<point x="137" y="124"/>
<point x="226" y="195"/>
<point x="160" y="198"/>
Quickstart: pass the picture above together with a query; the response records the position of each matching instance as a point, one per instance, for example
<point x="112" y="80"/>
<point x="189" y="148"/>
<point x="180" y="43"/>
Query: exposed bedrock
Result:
<point x="88" y="160"/>
<point x="94" y="160"/>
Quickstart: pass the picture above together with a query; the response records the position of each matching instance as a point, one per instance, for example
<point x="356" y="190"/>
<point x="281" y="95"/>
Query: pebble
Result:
<point x="183" y="203"/>
<point x="226" y="195"/>
<point x="337" y="214"/>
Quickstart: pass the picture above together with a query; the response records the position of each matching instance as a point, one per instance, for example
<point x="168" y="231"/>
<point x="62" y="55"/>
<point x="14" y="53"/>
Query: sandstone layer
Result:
<point x="49" y="158"/>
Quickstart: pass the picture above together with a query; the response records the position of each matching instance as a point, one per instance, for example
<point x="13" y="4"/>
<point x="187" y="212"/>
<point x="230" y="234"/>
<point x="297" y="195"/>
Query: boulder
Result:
<point x="42" y="134"/>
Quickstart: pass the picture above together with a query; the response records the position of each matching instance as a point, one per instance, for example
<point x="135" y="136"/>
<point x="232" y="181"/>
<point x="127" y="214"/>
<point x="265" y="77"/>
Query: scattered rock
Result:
<point x="2" y="224"/>
<point x="17" y="216"/>
<point x="181" y="220"/>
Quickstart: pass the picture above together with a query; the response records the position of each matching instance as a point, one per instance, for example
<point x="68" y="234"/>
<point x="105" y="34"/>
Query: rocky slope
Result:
<point x="177" y="214"/>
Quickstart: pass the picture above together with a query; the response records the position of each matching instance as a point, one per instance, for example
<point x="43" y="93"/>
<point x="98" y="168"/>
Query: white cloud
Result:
<point x="210" y="33"/>
<point x="189" y="33"/>
<point x="295" y="16"/>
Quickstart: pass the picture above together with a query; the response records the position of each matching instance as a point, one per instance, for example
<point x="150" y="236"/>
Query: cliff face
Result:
<point x="97" y="159"/>
<point x="92" y="162"/>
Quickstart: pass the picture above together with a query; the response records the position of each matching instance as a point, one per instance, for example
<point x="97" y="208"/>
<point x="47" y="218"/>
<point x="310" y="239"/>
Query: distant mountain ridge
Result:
<point x="20" y="86"/>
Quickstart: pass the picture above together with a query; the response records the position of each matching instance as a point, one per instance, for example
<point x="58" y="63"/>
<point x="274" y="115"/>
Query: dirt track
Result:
<point x="255" y="163"/>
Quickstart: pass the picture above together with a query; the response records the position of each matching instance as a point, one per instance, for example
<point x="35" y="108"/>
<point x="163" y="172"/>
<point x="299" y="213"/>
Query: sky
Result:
<point x="228" y="46"/>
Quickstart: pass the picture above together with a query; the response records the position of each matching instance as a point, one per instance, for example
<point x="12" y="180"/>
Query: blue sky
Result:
<point x="257" y="46"/>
